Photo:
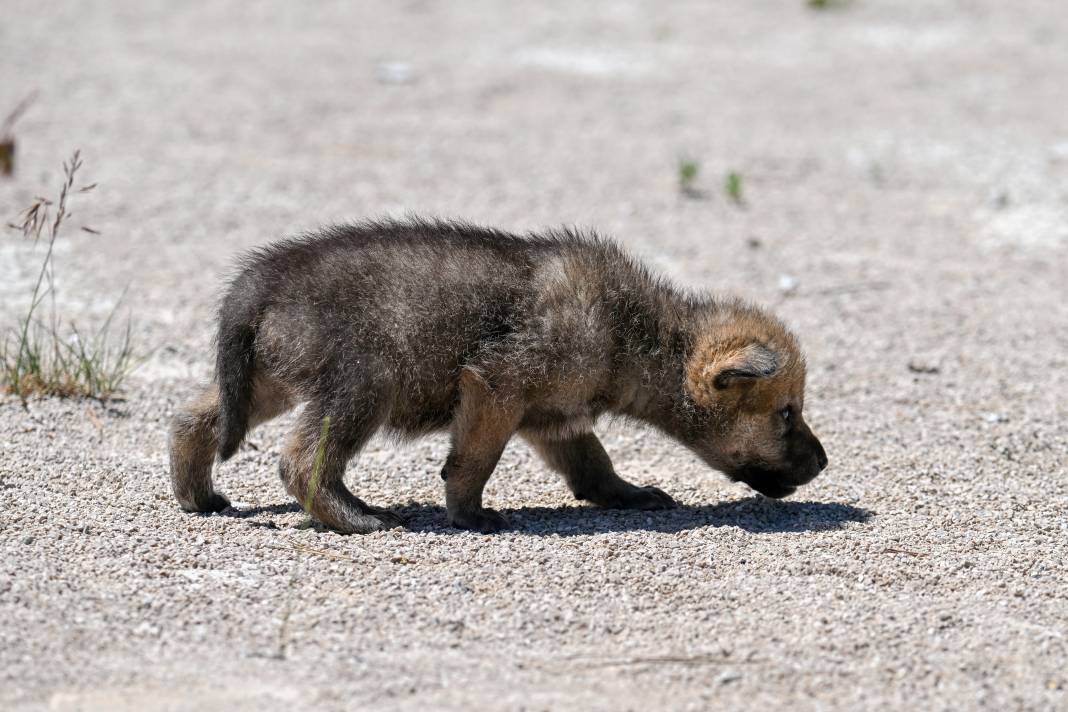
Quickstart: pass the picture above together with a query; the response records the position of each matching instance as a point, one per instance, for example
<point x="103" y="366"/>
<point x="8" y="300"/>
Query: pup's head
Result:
<point x="745" y="376"/>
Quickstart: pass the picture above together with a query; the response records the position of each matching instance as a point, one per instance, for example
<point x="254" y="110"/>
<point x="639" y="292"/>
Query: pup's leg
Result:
<point x="331" y="502"/>
<point x="481" y="428"/>
<point x="194" y="443"/>
<point x="589" y="473"/>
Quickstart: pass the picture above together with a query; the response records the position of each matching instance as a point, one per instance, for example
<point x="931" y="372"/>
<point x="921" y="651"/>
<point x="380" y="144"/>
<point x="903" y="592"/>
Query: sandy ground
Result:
<point x="904" y="173"/>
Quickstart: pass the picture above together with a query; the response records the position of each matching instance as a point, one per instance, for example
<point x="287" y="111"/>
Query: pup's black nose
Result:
<point x="821" y="456"/>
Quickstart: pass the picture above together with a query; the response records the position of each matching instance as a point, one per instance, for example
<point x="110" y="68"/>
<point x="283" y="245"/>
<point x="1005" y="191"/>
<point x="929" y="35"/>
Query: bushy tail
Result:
<point x="234" y="363"/>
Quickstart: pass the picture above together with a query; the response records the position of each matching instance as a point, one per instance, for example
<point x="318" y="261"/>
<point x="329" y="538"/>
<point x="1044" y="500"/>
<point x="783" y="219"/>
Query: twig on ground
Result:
<point x="690" y="660"/>
<point x="852" y="288"/>
<point x="892" y="550"/>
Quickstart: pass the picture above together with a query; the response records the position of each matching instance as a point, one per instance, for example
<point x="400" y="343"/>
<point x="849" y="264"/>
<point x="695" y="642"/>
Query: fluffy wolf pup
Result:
<point x="418" y="326"/>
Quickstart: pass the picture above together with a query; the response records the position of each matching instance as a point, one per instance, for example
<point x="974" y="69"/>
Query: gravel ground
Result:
<point x="904" y="173"/>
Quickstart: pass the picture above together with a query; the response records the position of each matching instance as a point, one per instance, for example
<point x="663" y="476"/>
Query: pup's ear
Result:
<point x="718" y="367"/>
<point x="745" y="364"/>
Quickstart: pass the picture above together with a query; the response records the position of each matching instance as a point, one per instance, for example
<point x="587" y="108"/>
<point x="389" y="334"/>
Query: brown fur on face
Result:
<point x="749" y="373"/>
<point x="418" y="326"/>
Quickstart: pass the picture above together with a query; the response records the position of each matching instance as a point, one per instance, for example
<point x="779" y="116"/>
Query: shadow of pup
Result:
<point x="756" y="515"/>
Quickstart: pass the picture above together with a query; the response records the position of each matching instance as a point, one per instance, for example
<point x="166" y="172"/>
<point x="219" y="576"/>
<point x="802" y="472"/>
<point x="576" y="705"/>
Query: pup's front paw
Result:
<point x="485" y="521"/>
<point x="644" y="498"/>
<point x="390" y="520"/>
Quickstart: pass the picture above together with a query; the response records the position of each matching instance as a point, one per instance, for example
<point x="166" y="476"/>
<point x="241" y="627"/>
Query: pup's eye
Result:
<point x="787" y="414"/>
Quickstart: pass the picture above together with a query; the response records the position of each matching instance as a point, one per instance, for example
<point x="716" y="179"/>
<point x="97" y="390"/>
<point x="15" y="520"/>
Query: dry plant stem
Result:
<point x="9" y="121"/>
<point x="320" y="453"/>
<point x="294" y="574"/>
<point x="33" y="223"/>
<point x="283" y="628"/>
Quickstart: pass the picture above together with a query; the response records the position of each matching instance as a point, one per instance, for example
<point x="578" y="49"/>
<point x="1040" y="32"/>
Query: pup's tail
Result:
<point x="234" y="362"/>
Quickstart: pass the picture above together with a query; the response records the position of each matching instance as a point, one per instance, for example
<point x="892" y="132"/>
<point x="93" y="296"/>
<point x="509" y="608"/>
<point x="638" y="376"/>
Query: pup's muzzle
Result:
<point x="779" y="483"/>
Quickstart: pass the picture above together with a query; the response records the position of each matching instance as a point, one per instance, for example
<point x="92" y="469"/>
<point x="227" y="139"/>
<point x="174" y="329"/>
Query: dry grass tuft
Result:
<point x="37" y="357"/>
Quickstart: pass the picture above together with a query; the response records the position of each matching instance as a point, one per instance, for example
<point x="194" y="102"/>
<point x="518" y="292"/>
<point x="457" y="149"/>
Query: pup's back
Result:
<point x="380" y="285"/>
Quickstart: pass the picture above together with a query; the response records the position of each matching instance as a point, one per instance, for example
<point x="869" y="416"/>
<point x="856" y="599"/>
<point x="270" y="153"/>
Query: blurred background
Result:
<point x="890" y="176"/>
<point x="854" y="161"/>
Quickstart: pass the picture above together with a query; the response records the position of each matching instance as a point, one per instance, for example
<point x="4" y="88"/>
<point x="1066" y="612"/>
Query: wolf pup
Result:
<point x="418" y="326"/>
